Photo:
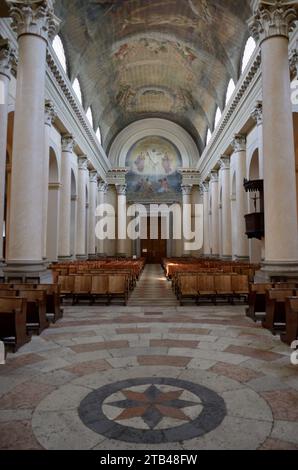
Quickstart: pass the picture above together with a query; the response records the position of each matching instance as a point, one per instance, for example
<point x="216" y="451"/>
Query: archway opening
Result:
<point x="53" y="208"/>
<point x="73" y="214"/>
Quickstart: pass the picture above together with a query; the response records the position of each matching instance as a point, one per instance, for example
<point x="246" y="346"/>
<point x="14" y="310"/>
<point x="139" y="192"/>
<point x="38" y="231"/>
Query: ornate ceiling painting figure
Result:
<point x="153" y="176"/>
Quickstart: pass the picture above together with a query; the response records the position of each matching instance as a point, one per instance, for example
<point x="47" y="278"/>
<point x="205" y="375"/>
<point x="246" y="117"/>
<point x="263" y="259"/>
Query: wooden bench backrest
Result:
<point x="33" y="295"/>
<point x="293" y="304"/>
<point x="8" y="304"/>
<point x="117" y="284"/>
<point x="280" y="294"/>
<point x="205" y="283"/>
<point x="99" y="284"/>
<point x="260" y="288"/>
<point x="66" y="283"/>
<point x="223" y="283"/>
<point x="188" y="284"/>
<point x="82" y="284"/>
<point x="240" y="283"/>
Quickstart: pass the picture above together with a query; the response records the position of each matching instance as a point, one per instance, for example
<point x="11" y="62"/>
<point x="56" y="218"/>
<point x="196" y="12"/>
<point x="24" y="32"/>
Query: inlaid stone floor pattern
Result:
<point x="153" y="377"/>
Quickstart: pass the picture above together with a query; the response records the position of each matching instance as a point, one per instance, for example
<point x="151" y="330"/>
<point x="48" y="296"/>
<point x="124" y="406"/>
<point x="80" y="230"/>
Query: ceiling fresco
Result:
<point x="170" y="59"/>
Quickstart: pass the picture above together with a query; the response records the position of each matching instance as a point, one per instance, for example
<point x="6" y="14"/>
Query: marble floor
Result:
<point x="150" y="378"/>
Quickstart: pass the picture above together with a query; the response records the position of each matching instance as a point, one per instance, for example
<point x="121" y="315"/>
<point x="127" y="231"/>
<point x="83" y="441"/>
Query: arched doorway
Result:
<point x="255" y="246"/>
<point x="53" y="208"/>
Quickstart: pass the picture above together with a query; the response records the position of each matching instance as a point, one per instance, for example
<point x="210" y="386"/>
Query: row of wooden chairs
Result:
<point x="107" y="287"/>
<point x="276" y="305"/>
<point x="213" y="287"/>
<point x="27" y="309"/>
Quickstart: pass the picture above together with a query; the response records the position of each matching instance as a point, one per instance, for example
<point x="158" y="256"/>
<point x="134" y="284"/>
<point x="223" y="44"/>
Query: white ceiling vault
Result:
<point x="168" y="59"/>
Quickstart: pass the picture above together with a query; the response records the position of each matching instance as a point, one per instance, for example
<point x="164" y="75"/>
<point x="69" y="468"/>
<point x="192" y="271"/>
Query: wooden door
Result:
<point x="154" y="249"/>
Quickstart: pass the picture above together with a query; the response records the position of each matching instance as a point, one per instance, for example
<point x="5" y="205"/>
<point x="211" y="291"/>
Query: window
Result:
<point x="209" y="135"/>
<point x="217" y="117"/>
<point x="89" y="116"/>
<point x="77" y="89"/>
<point x="98" y="135"/>
<point x="59" y="51"/>
<point x="230" y="90"/>
<point x="248" y="52"/>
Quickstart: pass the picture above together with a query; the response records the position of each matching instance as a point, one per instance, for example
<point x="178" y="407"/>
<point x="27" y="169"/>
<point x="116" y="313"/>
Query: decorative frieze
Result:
<point x="50" y="113"/>
<point x="239" y="143"/>
<point x="37" y="18"/>
<point x="272" y="18"/>
<point x="68" y="143"/>
<point x="257" y="113"/>
<point x="7" y="57"/>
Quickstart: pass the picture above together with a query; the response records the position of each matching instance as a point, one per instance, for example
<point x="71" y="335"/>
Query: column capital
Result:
<point x="93" y="176"/>
<point x="186" y="189"/>
<point x="83" y="162"/>
<point x="102" y="187"/>
<point x="257" y="113"/>
<point x="224" y="162"/>
<point x="272" y="18"/>
<point x="50" y="112"/>
<point x="205" y="186"/>
<point x="68" y="143"/>
<point x="294" y="62"/>
<point x="214" y="176"/>
<point x="239" y="143"/>
<point x="35" y="17"/>
<point x="7" y="57"/>
<point x="121" y="189"/>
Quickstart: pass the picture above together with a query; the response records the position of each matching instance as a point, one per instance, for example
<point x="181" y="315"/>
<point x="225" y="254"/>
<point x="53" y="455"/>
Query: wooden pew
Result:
<point x="36" y="310"/>
<point x="275" y="318"/>
<point x="99" y="288"/>
<point x="66" y="284"/>
<point x="13" y="321"/>
<point x="223" y="286"/>
<point x="118" y="287"/>
<point x="257" y="300"/>
<point x="291" y="333"/>
<point x="240" y="286"/>
<point x="188" y="288"/>
<point x="206" y="287"/>
<point x="82" y="288"/>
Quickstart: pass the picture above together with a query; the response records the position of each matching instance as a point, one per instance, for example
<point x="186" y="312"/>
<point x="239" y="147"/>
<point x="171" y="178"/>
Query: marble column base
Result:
<point x="121" y="255"/>
<point x="24" y="268"/>
<point x="62" y="259"/>
<point x="242" y="258"/>
<point x="92" y="256"/>
<point x="81" y="257"/>
<point x="280" y="269"/>
<point x="226" y="257"/>
<point x="101" y="255"/>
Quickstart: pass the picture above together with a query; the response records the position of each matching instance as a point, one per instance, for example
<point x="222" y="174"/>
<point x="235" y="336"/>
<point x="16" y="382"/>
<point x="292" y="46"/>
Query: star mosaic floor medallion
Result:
<point x="152" y="410"/>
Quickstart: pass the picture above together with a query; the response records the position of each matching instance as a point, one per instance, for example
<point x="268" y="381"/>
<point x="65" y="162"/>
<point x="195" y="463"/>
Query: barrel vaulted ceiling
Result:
<point x="170" y="59"/>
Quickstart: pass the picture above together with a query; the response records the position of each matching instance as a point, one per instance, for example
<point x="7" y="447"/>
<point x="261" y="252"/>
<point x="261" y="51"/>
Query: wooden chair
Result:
<point x="257" y="300"/>
<point x="66" y="284"/>
<point x="240" y="286"/>
<point x="99" y="287"/>
<point x="36" y="310"/>
<point x="54" y="310"/>
<point x="82" y="288"/>
<point x="206" y="287"/>
<point x="118" y="287"/>
<point x="275" y="318"/>
<point x="223" y="286"/>
<point x="291" y="333"/>
<point x="13" y="328"/>
<point x="188" y="288"/>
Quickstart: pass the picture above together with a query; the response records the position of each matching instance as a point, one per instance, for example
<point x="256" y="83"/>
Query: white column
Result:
<point x="101" y="200"/>
<point x="50" y="115"/>
<point x="7" y="59"/>
<point x="271" y="25"/>
<point x="92" y="209"/>
<point x="226" y="208"/>
<point x="65" y="197"/>
<point x="186" y="215"/>
<point x="33" y="23"/>
<point x="257" y="115"/>
<point x="122" y="222"/>
<point x="205" y="187"/>
<point x="81" y="208"/>
<point x="239" y="145"/>
<point x="215" y="214"/>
